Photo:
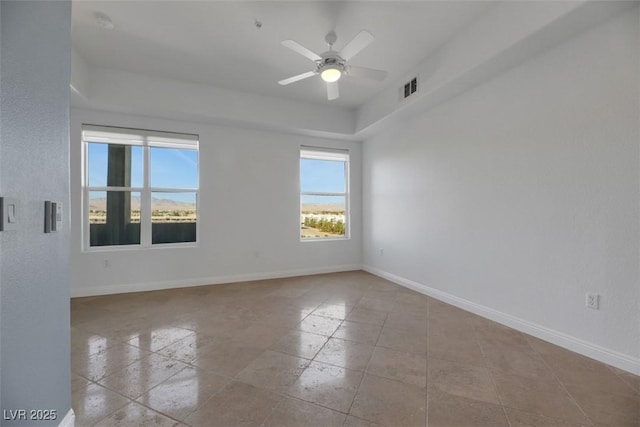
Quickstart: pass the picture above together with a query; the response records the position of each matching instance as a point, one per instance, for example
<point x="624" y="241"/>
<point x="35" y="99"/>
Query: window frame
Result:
<point x="331" y="154"/>
<point x="147" y="139"/>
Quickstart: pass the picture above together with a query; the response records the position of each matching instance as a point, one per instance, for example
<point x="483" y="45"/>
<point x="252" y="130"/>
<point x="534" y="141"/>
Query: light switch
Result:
<point x="52" y="216"/>
<point x="9" y="212"/>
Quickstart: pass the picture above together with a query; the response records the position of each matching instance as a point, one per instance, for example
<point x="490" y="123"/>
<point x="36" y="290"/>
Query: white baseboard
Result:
<point x="203" y="281"/>
<point x="69" y="420"/>
<point x="594" y="351"/>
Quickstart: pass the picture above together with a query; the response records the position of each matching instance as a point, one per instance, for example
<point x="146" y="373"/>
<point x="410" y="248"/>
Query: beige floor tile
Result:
<point x="300" y="344"/>
<point x="227" y="357"/>
<point x="456" y="348"/>
<point x="538" y="396"/>
<point x="360" y="332"/>
<point x="454" y="327"/>
<point x="260" y="335"/>
<point x="352" y="421"/>
<point x="390" y="403"/>
<point x="471" y="382"/>
<point x="346" y="354"/>
<point x="203" y="337"/>
<point x="545" y="348"/>
<point x="363" y="315"/>
<point x="119" y="327"/>
<point x="580" y="373"/>
<point x="405" y="367"/>
<point x="524" y="419"/>
<point x="517" y="362"/>
<point x="411" y="298"/>
<point x="238" y="404"/>
<point x="632" y="380"/>
<point x="377" y="303"/>
<point x="404" y="341"/>
<point x="608" y="408"/>
<point x="335" y="310"/>
<point x="183" y="393"/>
<point x="286" y="318"/>
<point x="327" y="385"/>
<point x="92" y="402"/>
<point x="223" y="328"/>
<point x="110" y="360"/>
<point x="88" y="311"/>
<point x="407" y="322"/>
<point x="440" y="310"/>
<point x="78" y="382"/>
<point x="290" y="291"/>
<point x="455" y="411"/>
<point x="156" y="339"/>
<point x="87" y="344"/>
<point x="273" y="371"/>
<point x="493" y="335"/>
<point x="189" y="348"/>
<point x="319" y="325"/>
<point x="345" y="296"/>
<point x="297" y="413"/>
<point x="137" y="415"/>
<point x="142" y="375"/>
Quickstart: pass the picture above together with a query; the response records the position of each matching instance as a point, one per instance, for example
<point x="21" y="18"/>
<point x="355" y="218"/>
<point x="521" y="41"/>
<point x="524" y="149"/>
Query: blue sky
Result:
<point x="170" y="168"/>
<point x="322" y="176"/>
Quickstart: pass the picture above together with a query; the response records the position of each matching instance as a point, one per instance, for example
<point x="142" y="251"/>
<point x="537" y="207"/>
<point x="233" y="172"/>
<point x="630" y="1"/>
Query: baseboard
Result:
<point x="69" y="420"/>
<point x="203" y="281"/>
<point x="594" y="351"/>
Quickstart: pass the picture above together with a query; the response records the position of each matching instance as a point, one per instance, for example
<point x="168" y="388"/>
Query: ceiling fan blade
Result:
<point x="332" y="91"/>
<point x="367" y="73"/>
<point x="297" y="47"/>
<point x="297" y="78"/>
<point x="359" y="42"/>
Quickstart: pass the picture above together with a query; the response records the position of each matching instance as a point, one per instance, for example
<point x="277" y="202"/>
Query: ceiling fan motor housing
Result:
<point x="330" y="60"/>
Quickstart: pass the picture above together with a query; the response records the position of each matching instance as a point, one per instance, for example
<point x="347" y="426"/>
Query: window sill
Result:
<point x="324" y="239"/>
<point x="129" y="248"/>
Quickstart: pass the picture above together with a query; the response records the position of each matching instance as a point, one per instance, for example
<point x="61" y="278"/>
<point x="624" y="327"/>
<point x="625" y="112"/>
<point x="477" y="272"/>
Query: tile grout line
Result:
<point x="367" y="367"/>
<point x="624" y="380"/>
<point x="562" y="385"/>
<point x="493" y="381"/>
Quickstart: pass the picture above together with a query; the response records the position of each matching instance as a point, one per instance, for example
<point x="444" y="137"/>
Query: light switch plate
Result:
<point x="9" y="210"/>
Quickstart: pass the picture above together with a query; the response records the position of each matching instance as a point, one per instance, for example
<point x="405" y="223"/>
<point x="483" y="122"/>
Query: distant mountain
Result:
<point x="322" y="207"/>
<point x="100" y="204"/>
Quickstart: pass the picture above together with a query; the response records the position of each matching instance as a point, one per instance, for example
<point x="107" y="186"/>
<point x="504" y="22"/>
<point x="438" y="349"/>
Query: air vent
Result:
<point x="409" y="88"/>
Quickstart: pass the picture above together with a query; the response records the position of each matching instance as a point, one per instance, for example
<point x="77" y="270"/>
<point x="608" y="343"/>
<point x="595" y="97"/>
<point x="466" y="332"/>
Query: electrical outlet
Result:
<point x="593" y="301"/>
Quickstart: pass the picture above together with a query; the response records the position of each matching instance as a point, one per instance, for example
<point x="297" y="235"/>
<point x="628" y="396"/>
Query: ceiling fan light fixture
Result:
<point x="331" y="74"/>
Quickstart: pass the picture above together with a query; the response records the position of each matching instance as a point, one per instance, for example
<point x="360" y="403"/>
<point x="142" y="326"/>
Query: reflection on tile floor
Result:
<point x="343" y="349"/>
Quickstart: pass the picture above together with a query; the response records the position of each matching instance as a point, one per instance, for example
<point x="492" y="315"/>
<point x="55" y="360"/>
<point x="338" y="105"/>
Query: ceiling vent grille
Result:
<point x="409" y="88"/>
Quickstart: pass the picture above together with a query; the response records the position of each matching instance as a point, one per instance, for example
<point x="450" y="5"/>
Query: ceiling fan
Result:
<point x="332" y="65"/>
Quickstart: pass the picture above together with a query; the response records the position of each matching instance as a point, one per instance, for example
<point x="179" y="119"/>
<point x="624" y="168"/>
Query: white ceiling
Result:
<point x="216" y="42"/>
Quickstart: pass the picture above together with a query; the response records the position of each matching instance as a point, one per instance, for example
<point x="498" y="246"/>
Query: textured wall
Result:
<point x="522" y="194"/>
<point x="34" y="166"/>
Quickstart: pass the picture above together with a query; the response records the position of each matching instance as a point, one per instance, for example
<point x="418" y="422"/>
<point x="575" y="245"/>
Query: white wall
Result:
<point x="244" y="175"/>
<point x="516" y="198"/>
<point x="34" y="166"/>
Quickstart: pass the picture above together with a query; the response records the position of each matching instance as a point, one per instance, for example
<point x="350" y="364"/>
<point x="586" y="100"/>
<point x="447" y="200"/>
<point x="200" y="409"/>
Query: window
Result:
<point x="139" y="187"/>
<point x="324" y="194"/>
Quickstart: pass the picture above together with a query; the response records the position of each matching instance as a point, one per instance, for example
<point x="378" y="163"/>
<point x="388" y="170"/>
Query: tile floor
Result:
<point x="344" y="349"/>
